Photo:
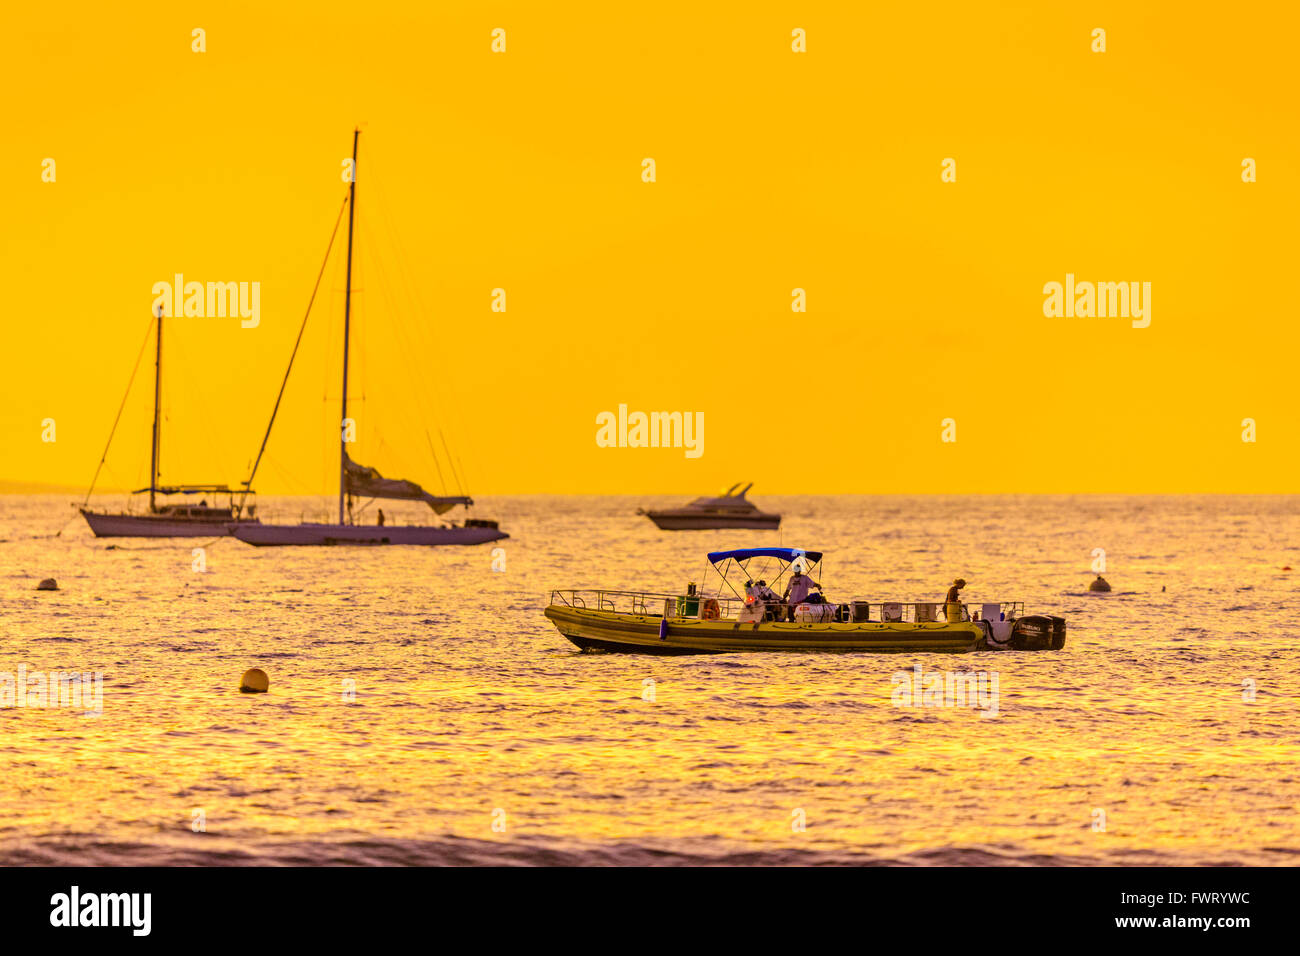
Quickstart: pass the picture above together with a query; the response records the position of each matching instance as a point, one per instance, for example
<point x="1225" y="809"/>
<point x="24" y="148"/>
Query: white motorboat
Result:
<point x="729" y="510"/>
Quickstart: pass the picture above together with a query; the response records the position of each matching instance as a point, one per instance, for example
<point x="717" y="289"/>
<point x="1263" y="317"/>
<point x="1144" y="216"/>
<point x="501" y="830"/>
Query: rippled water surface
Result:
<point x="470" y="708"/>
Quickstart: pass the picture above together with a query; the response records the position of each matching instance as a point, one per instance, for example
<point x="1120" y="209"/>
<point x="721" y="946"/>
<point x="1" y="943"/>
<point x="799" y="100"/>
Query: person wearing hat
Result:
<point x="796" y="590"/>
<point x="952" y="603"/>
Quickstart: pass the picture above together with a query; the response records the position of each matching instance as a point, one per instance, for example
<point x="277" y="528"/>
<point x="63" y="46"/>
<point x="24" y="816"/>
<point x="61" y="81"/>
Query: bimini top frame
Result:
<point x="786" y="557"/>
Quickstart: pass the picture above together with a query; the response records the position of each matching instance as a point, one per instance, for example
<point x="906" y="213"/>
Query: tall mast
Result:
<point x="347" y="322"/>
<point x="157" y="402"/>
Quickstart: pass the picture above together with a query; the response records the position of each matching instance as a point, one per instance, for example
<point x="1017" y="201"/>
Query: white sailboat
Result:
<point x="169" y="520"/>
<point x="359" y="481"/>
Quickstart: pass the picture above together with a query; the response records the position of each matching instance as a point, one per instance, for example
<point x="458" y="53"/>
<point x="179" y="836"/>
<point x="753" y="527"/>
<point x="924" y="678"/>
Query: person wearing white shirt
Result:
<point x="796" y="591"/>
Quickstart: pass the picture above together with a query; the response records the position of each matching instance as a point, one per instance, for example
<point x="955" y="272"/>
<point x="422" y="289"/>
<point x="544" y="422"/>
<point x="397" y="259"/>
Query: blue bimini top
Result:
<point x="785" y="554"/>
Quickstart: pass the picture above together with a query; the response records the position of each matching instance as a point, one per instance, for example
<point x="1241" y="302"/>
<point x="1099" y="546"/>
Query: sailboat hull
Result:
<point x="270" y="535"/>
<point x="124" y="525"/>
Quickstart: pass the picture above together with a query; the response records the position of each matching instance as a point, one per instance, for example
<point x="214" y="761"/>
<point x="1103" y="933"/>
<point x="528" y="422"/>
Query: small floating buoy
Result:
<point x="1099" y="585"/>
<point x="49" y="584"/>
<point x="254" y="681"/>
<point x="1286" y="567"/>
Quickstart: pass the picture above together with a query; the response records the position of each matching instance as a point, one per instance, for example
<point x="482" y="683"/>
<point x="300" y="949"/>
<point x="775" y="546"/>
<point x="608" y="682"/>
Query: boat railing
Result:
<point x="642" y="602"/>
<point x="663" y="604"/>
<point x="929" y="612"/>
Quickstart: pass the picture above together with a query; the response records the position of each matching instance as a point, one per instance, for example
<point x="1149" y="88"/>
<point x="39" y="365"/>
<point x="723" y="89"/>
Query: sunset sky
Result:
<point x="775" y="170"/>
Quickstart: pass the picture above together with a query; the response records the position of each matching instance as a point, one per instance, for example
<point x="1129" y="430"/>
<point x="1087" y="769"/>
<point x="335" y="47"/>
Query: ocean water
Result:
<point x="423" y="711"/>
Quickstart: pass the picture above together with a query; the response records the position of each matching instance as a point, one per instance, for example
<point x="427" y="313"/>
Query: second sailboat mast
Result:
<point x="156" y="441"/>
<point x="347" y="322"/>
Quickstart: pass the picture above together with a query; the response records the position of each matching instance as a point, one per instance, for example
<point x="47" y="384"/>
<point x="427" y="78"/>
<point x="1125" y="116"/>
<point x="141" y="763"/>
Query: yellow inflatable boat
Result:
<point x="643" y="622"/>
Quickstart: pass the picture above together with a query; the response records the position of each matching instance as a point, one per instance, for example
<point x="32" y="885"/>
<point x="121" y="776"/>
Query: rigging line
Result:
<point x="199" y="405"/>
<point x="155" y="547"/>
<point x="441" y="483"/>
<point x="443" y="406"/>
<point x="422" y="311"/>
<point x="406" y="349"/>
<point x="327" y="473"/>
<point x="61" y="530"/>
<point x="248" y="485"/>
<point x="384" y="310"/>
<point x="461" y="465"/>
<point x="288" y="478"/>
<point x="460" y="488"/>
<point x="113" y="430"/>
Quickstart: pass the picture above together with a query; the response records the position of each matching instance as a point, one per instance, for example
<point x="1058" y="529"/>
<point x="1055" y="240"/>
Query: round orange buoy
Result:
<point x="254" y="681"/>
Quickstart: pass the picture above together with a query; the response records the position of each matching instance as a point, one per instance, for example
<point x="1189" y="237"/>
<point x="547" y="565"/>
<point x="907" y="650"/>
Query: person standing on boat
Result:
<point x="796" y="591"/>
<point x="952" y="603"/>
<point x="381" y="517"/>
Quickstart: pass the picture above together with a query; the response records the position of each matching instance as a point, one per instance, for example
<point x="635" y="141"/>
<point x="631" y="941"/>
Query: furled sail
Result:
<point x="364" y="482"/>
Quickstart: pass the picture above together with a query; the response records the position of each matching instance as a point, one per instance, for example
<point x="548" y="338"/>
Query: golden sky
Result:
<point x="775" y="170"/>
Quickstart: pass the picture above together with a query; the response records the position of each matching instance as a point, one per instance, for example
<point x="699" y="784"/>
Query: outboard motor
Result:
<point x="1038" y="632"/>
